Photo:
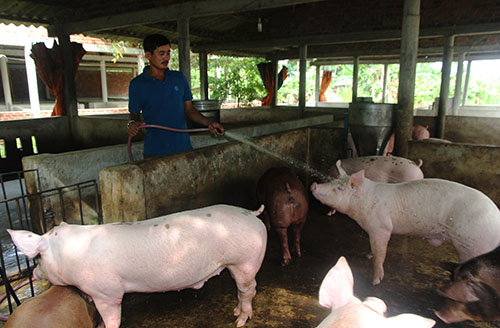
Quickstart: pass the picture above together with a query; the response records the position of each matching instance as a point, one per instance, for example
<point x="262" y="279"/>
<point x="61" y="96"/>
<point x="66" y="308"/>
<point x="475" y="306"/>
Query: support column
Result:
<point x="69" y="87"/>
<point x="355" y="75"/>
<point x="32" y="82"/>
<point x="140" y="63"/>
<point x="384" y="82"/>
<point x="274" y="64"/>
<point x="406" y="88"/>
<point x="302" y="79"/>
<point x="5" y="82"/>
<point x="466" y="86"/>
<point x="445" y="85"/>
<point x="204" y="76"/>
<point x="104" y="81"/>
<point x="458" y="84"/>
<point x="184" y="48"/>
<point x="317" y="84"/>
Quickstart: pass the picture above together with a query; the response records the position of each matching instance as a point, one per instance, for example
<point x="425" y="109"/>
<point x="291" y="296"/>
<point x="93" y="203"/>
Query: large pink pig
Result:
<point x="336" y="293"/>
<point x="435" y="209"/>
<point x="172" y="252"/>
<point x="388" y="169"/>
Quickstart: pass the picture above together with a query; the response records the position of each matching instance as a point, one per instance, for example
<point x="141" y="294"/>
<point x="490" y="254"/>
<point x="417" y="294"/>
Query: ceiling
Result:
<point x="329" y="28"/>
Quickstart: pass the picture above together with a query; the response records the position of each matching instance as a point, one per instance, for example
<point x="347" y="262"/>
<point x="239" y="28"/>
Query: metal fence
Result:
<point x="37" y="211"/>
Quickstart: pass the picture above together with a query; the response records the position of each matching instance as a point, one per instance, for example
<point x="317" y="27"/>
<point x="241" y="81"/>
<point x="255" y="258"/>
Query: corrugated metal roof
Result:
<point x="329" y="28"/>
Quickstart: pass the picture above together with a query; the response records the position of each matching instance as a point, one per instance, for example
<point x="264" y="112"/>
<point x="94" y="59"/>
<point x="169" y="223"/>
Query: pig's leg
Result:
<point x="283" y="235"/>
<point x="378" y="243"/>
<point x="244" y="276"/>
<point x="110" y="312"/>
<point x="297" y="230"/>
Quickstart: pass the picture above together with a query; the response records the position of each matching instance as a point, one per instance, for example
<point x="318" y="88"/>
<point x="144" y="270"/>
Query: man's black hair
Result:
<point x="153" y="41"/>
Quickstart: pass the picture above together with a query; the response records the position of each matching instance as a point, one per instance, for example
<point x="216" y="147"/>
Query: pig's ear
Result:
<point x="28" y="242"/>
<point x="337" y="287"/>
<point x="340" y="169"/>
<point x="356" y="179"/>
<point x="409" y="320"/>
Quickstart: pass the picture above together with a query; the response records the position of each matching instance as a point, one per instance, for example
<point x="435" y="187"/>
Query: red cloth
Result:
<point x="326" y="79"/>
<point x="49" y="67"/>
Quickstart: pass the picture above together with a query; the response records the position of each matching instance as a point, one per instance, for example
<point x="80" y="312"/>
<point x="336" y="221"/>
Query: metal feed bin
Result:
<point x="371" y="125"/>
<point x="209" y="108"/>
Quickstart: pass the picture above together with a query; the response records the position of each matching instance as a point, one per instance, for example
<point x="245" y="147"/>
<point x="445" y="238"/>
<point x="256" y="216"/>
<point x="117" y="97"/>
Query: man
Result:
<point x="164" y="98"/>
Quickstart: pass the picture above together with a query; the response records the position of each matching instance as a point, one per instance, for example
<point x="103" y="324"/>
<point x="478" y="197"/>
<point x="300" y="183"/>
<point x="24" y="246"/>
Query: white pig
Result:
<point x="172" y="252"/>
<point x="389" y="169"/>
<point x="336" y="293"/>
<point x="435" y="209"/>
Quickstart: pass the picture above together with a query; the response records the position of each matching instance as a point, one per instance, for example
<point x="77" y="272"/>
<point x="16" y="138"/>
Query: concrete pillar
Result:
<point x="274" y="101"/>
<point x="355" y="75"/>
<point x="302" y="79"/>
<point x="317" y="84"/>
<point x="458" y="84"/>
<point x="445" y="85"/>
<point x="466" y="85"/>
<point x="104" y="81"/>
<point x="140" y="63"/>
<point x="406" y="88"/>
<point x="184" y="48"/>
<point x="69" y="87"/>
<point x="32" y="82"/>
<point x="5" y="82"/>
<point x="204" y="76"/>
<point x="384" y="82"/>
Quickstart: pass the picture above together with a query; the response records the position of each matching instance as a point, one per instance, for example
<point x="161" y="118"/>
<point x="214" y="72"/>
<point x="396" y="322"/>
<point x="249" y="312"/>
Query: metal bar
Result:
<point x="80" y="204"/>
<point x="61" y="200"/>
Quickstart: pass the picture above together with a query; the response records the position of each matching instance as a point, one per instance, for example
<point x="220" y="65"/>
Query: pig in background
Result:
<point x="57" y="307"/>
<point x="435" y="209"/>
<point x="388" y="169"/>
<point x="418" y="132"/>
<point x="474" y="292"/>
<point x="172" y="252"/>
<point x="286" y="204"/>
<point x="336" y="293"/>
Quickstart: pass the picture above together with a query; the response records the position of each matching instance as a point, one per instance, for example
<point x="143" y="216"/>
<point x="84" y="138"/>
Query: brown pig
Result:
<point x="474" y="291"/>
<point x="57" y="307"/>
<point x="286" y="204"/>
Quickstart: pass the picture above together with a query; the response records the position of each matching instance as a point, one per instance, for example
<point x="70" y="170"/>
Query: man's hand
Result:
<point x="133" y="127"/>
<point x="216" y="129"/>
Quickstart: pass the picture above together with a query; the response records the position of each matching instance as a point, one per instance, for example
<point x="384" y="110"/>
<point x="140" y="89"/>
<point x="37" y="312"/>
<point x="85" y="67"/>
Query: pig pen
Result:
<point x="286" y="296"/>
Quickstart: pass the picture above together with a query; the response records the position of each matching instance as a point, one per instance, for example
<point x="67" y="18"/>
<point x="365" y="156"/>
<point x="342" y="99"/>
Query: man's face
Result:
<point x="160" y="57"/>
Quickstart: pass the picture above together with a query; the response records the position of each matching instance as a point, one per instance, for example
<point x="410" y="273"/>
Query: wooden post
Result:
<point x="355" y="76"/>
<point x="302" y="79"/>
<point x="406" y="89"/>
<point x="445" y="86"/>
<point x="204" y="76"/>
<point x="458" y="83"/>
<point x="184" y="48"/>
<point x="384" y="82"/>
<point x="69" y="89"/>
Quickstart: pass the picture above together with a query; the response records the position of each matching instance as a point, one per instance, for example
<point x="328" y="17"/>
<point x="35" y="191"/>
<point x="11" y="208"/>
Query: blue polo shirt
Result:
<point x="161" y="103"/>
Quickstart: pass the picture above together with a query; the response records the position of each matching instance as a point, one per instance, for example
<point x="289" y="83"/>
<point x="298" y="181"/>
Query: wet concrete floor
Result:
<point x="288" y="296"/>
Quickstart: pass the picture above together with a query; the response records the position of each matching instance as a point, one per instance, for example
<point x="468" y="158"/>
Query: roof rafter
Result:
<point x="171" y="12"/>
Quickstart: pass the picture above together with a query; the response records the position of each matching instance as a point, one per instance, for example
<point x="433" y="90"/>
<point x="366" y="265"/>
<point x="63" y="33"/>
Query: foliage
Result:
<point x="232" y="78"/>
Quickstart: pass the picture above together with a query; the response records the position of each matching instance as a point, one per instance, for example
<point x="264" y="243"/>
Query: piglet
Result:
<point x="286" y="204"/>
<point x="474" y="291"/>
<point x="57" y="307"/>
<point x="389" y="169"/>
<point x="172" y="252"/>
<point x="434" y="209"/>
<point x="336" y="293"/>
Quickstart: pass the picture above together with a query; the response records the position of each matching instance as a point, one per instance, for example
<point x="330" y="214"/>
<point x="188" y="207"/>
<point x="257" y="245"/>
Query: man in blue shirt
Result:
<point x="164" y="98"/>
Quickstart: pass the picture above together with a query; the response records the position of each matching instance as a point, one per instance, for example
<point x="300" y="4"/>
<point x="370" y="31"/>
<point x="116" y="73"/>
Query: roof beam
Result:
<point x="173" y="12"/>
<point x="386" y="35"/>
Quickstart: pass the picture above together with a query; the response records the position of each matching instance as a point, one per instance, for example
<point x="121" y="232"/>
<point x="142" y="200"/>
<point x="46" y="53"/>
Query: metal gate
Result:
<point x="47" y="208"/>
